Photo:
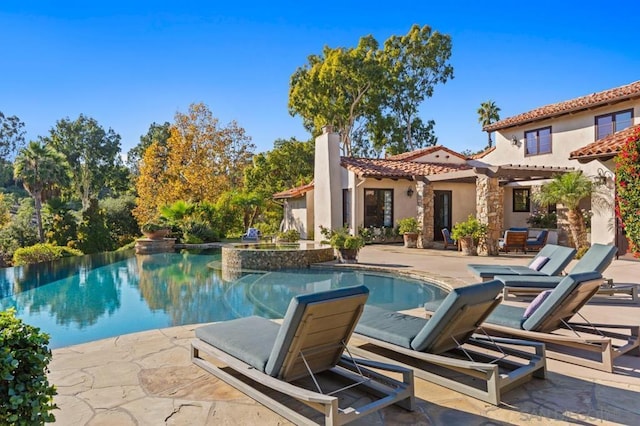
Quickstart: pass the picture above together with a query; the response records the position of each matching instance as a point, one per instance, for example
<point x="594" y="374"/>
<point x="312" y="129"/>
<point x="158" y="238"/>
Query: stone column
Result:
<point x="490" y="211"/>
<point x="424" y="199"/>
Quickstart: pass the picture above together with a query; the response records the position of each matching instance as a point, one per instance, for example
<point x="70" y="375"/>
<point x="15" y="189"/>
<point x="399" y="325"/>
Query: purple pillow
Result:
<point x="535" y="303"/>
<point x="538" y="263"/>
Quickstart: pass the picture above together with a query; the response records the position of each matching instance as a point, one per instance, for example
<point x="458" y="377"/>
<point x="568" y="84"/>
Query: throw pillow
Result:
<point x="538" y="263"/>
<point x="535" y="303"/>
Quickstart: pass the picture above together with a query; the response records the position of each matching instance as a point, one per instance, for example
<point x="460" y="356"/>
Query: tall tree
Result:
<point x="40" y="168"/>
<point x="372" y="95"/>
<point x="569" y="189"/>
<point x="11" y="135"/>
<point x="488" y="113"/>
<point x="333" y="89"/>
<point x="413" y="65"/>
<point x="202" y="159"/>
<point x="93" y="155"/>
<point x="157" y="133"/>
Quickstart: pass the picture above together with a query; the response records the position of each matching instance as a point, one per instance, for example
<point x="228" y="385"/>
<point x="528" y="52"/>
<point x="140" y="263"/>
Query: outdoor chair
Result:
<point x="448" y="241"/>
<point x="513" y="240"/>
<point x="547" y="320"/>
<point x="303" y="358"/>
<point x="252" y="235"/>
<point x="536" y="243"/>
<point x="551" y="260"/>
<point x="597" y="258"/>
<point x="443" y="349"/>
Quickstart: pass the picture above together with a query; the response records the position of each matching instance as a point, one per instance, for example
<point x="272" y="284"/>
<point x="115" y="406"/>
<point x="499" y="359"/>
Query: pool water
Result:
<point x="94" y="297"/>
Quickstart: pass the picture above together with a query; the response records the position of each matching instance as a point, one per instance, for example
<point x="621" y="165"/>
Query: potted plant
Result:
<point x="346" y="245"/>
<point x="155" y="230"/>
<point x="410" y="229"/>
<point x="468" y="233"/>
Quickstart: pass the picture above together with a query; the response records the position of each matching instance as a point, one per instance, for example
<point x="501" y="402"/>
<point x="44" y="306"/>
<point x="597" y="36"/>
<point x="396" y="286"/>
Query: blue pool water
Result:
<point x="93" y="297"/>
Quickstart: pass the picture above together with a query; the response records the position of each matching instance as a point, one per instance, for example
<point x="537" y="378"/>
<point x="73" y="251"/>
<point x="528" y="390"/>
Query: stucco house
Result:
<point x="440" y="187"/>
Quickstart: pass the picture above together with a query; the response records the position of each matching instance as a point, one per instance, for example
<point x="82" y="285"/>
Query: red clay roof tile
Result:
<point x="398" y="169"/>
<point x="617" y="94"/>
<point x="294" y="192"/>
<point x="412" y="155"/>
<point x="608" y="146"/>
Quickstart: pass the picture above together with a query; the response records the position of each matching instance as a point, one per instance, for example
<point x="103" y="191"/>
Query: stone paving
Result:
<point x="148" y="379"/>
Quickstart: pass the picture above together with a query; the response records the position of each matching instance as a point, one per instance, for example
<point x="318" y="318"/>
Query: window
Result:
<point x="378" y="208"/>
<point x="610" y="123"/>
<point x="538" y="141"/>
<point x="346" y="207"/>
<point x="521" y="200"/>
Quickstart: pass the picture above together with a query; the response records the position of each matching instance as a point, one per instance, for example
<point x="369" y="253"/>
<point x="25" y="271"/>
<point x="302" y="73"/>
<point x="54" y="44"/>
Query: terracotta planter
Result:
<point x="157" y="235"/>
<point x="348" y="255"/>
<point x="411" y="239"/>
<point x="467" y="247"/>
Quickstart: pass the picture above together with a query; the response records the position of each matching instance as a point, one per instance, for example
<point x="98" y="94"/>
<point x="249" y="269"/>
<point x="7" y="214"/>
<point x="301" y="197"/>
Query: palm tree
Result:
<point x="40" y="167"/>
<point x="568" y="189"/>
<point x="488" y="113"/>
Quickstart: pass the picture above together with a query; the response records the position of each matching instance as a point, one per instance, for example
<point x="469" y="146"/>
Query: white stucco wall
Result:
<point x="568" y="133"/>
<point x="463" y="201"/>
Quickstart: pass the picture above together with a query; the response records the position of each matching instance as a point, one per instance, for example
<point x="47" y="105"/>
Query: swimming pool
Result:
<point x="94" y="297"/>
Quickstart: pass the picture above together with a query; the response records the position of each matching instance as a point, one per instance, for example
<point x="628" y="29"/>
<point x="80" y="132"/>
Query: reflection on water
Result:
<point x="112" y="294"/>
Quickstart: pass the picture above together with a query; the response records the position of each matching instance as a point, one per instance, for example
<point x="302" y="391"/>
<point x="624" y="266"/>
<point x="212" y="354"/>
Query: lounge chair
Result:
<point x="536" y="243"/>
<point x="590" y="345"/>
<point x="597" y="258"/>
<point x="551" y="260"/>
<point x="309" y="345"/>
<point x="513" y="240"/>
<point x="252" y="235"/>
<point x="448" y="241"/>
<point x="443" y="345"/>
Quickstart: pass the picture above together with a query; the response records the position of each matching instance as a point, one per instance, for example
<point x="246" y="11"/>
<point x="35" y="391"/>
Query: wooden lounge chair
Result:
<point x="309" y="345"/>
<point x="591" y="345"/>
<point x="513" y="241"/>
<point x="597" y="258"/>
<point x="443" y="347"/>
<point x="551" y="260"/>
<point x="448" y="241"/>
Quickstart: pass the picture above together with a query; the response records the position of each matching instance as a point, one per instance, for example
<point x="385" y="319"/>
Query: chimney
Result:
<point x="327" y="182"/>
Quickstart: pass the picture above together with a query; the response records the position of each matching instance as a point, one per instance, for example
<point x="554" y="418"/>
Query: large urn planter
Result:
<point x="157" y="234"/>
<point x="348" y="255"/>
<point x="410" y="239"/>
<point x="467" y="247"/>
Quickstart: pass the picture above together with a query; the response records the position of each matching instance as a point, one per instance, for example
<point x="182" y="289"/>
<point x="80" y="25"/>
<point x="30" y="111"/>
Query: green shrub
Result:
<point x="408" y="225"/>
<point x="290" y="236"/>
<point x="628" y="190"/>
<point x="469" y="228"/>
<point x="27" y="397"/>
<point x="42" y="253"/>
<point x="341" y="239"/>
<point x="197" y="232"/>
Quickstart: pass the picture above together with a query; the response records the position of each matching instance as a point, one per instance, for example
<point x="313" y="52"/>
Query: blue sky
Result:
<point x="128" y="64"/>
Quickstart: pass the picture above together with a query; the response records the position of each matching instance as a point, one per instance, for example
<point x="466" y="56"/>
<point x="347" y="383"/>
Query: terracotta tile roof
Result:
<point x="294" y="192"/>
<point x="483" y="153"/>
<point x="412" y="155"/>
<point x="608" y="146"/>
<point x="385" y="168"/>
<point x="617" y="94"/>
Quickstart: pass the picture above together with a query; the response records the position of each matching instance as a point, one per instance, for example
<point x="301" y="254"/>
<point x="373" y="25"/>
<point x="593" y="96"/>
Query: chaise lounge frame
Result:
<point x="588" y="339"/>
<point x="312" y="340"/>
<point x="501" y="364"/>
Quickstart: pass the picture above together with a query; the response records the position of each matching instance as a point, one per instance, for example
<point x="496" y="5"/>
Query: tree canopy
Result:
<point x="371" y="95"/>
<point x="11" y="135"/>
<point x="93" y="155"/>
<point x="488" y="113"/>
<point x="157" y="133"/>
<point x="201" y="160"/>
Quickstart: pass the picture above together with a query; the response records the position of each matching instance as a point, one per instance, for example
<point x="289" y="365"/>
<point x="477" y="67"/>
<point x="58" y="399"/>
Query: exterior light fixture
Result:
<point x="603" y="176"/>
<point x="409" y="192"/>
<point x="514" y="140"/>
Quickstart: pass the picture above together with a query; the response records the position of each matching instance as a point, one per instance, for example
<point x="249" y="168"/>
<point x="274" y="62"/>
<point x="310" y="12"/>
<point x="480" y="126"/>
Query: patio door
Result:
<point x="441" y="213"/>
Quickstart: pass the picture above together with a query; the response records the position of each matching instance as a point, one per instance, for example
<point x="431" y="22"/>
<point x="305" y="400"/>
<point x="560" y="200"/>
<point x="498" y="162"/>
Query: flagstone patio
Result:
<point x="148" y="379"/>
